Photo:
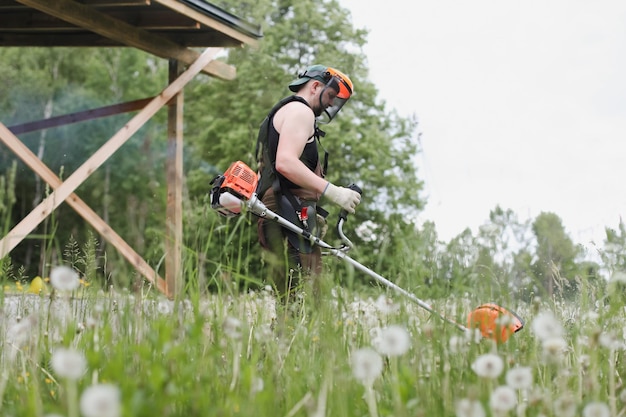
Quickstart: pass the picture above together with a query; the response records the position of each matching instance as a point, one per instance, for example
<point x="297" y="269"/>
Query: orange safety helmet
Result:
<point x="494" y="322"/>
<point x="334" y="79"/>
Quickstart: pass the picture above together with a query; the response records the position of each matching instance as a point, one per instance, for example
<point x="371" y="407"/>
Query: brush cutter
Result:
<point x="234" y="192"/>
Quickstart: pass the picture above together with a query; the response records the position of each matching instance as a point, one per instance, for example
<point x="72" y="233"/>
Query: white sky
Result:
<point x="520" y="103"/>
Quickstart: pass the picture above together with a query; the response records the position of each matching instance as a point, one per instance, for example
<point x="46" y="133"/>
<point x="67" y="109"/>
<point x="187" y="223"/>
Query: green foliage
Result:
<point x="556" y="254"/>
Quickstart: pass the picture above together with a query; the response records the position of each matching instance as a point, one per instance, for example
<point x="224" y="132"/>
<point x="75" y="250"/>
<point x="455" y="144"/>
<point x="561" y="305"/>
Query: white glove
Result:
<point x="345" y="198"/>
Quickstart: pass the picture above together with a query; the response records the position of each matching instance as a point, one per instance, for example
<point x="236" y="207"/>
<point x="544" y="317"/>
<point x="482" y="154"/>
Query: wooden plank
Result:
<point x="35" y="21"/>
<point x="116" y="3"/>
<point x="98" y="22"/>
<point x="174" y="177"/>
<point x="207" y="20"/>
<point x="89" y="39"/>
<point x="80" y="116"/>
<point x="31" y="160"/>
<point x="39" y="213"/>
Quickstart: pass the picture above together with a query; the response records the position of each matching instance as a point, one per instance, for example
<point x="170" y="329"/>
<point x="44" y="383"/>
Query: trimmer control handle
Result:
<point x="343" y="214"/>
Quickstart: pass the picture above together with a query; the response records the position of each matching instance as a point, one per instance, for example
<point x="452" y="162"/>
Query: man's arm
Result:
<point x="295" y="123"/>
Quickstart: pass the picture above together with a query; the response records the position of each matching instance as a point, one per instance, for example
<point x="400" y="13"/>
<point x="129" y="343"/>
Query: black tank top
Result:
<point x="309" y="157"/>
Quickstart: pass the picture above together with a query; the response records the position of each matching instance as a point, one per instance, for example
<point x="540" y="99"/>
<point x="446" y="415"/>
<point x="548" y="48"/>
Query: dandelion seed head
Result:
<point x="610" y="341"/>
<point x="519" y="378"/>
<point x="64" y="278"/>
<point x="546" y="326"/>
<point x="596" y="409"/>
<point x="473" y="335"/>
<point x="469" y="408"/>
<point x="488" y="365"/>
<point x="68" y="363"/>
<point x="163" y="307"/>
<point x="367" y="365"/>
<point x="393" y="341"/>
<point x="232" y="328"/>
<point x="503" y="399"/>
<point x="256" y="385"/>
<point x="20" y="332"/>
<point x="263" y="333"/>
<point x="386" y="305"/>
<point x="102" y="400"/>
<point x="553" y="348"/>
<point x="458" y="344"/>
<point x="591" y="316"/>
<point x="565" y="406"/>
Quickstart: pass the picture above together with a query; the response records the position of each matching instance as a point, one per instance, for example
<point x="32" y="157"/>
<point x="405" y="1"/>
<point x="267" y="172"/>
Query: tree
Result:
<point x="556" y="255"/>
<point x="614" y="253"/>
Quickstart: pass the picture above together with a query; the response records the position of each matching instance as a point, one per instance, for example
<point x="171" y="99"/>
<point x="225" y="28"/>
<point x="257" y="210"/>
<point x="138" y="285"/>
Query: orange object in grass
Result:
<point x="494" y="322"/>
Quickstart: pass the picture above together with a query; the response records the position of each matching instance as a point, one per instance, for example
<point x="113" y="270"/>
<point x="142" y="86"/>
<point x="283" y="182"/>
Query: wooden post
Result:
<point x="174" y="169"/>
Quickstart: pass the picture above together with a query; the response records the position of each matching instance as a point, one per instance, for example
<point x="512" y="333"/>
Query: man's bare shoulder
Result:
<point x="294" y="111"/>
<point x="295" y="108"/>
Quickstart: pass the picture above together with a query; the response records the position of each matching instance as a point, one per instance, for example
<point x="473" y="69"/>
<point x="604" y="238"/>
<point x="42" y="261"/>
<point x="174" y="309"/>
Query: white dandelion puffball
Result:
<point x="565" y="406"/>
<point x="469" y="408"/>
<point x="68" y="363"/>
<point x="553" y="348"/>
<point x="21" y="332"/>
<point x="503" y="399"/>
<point x="367" y="365"/>
<point x="546" y="326"/>
<point x="102" y="400"/>
<point x="458" y="344"/>
<point x="232" y="328"/>
<point x="488" y="365"/>
<point x="519" y="378"/>
<point x="393" y="341"/>
<point x="596" y="409"/>
<point x="164" y="307"/>
<point x="64" y="278"/>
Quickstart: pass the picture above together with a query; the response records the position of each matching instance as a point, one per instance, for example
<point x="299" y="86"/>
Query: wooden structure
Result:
<point x="168" y="29"/>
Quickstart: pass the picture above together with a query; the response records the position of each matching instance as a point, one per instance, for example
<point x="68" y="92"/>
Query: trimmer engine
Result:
<point x="233" y="188"/>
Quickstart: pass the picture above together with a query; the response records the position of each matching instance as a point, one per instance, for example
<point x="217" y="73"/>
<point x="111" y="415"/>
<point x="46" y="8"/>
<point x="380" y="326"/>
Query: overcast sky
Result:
<point x="521" y="104"/>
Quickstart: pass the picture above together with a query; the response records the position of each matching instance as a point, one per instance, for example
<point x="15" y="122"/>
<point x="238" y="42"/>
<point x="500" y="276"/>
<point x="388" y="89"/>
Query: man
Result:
<point x="292" y="176"/>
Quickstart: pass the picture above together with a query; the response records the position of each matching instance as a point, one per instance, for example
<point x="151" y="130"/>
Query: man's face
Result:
<point x="326" y="97"/>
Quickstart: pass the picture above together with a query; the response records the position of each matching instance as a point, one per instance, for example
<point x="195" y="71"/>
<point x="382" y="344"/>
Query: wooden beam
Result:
<point x="206" y="20"/>
<point x="39" y="213"/>
<point x="35" y="21"/>
<point x="116" y="3"/>
<point x="91" y="39"/>
<point x="104" y="25"/>
<point x="80" y="116"/>
<point x="32" y="161"/>
<point x="174" y="177"/>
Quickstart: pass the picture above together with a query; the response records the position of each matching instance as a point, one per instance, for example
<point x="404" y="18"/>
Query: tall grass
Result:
<point x="223" y="355"/>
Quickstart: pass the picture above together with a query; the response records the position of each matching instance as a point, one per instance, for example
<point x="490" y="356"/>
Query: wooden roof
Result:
<point x="165" y="28"/>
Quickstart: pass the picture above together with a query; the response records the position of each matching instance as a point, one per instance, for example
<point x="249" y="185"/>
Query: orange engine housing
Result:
<point x="240" y="179"/>
<point x="494" y="322"/>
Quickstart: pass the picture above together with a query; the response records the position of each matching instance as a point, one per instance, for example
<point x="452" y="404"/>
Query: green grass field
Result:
<point x="347" y="354"/>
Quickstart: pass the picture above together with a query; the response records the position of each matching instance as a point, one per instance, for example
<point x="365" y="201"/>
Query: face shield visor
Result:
<point x="337" y="92"/>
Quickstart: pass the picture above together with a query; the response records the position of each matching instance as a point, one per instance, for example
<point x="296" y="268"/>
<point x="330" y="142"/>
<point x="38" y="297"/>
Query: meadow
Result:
<point x="75" y="350"/>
